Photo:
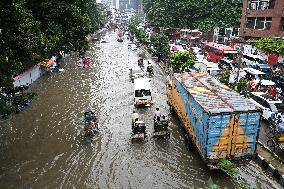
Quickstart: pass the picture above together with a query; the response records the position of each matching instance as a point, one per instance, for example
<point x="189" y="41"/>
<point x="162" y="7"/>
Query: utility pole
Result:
<point x="241" y="51"/>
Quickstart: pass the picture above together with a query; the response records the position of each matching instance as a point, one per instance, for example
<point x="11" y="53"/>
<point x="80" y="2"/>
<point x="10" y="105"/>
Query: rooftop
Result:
<point x="213" y="96"/>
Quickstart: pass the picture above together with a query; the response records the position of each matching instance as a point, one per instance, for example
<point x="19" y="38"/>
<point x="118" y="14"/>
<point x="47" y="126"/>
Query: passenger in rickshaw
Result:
<point x="90" y="120"/>
<point x="157" y="116"/>
<point x="139" y="127"/>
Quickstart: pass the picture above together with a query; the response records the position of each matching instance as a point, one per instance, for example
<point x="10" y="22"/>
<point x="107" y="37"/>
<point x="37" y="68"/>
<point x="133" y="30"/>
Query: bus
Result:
<point x="216" y="52"/>
<point x="194" y="38"/>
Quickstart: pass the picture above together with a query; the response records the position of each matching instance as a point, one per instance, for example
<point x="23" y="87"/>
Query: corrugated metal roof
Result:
<point x="213" y="96"/>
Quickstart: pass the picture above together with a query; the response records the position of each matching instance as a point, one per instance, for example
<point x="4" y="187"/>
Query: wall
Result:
<point x="28" y="76"/>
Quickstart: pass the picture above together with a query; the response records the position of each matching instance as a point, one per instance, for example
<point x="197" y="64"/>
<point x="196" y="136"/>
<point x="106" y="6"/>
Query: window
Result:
<point x="235" y="31"/>
<point x="142" y="92"/>
<point x="282" y="23"/>
<point x="250" y="23"/>
<point x="259" y="23"/>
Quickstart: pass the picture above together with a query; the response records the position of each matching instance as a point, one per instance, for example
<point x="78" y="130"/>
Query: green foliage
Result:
<point x="202" y="14"/>
<point x="228" y="166"/>
<point x="141" y="35"/>
<point x="224" y="77"/>
<point x="268" y="45"/>
<point x="33" y="31"/>
<point x="182" y="59"/>
<point x="160" y="43"/>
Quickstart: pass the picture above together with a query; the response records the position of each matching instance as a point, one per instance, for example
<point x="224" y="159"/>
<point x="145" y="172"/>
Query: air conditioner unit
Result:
<point x="253" y="6"/>
<point x="264" y="5"/>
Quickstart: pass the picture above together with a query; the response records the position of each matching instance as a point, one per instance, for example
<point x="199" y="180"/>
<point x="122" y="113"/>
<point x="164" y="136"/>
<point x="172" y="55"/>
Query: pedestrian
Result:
<point x="272" y="91"/>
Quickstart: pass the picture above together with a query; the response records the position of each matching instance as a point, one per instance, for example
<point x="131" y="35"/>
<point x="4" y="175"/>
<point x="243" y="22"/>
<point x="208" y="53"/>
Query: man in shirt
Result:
<point x="157" y="114"/>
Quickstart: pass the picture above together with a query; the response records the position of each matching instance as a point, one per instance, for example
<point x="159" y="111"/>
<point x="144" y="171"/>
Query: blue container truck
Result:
<point x="221" y="123"/>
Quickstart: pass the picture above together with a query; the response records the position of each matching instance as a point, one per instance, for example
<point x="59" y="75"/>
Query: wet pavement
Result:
<point x="44" y="147"/>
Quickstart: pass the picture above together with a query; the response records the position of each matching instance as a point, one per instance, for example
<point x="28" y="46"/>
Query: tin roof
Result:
<point x="213" y="96"/>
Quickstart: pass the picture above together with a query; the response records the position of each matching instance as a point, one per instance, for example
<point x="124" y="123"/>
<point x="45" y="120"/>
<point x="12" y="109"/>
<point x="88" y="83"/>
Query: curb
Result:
<point x="273" y="154"/>
<point x="270" y="169"/>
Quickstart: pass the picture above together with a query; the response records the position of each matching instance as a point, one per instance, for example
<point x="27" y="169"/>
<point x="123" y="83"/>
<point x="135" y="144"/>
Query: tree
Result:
<point x="160" y="44"/>
<point x="182" y="59"/>
<point x="202" y="14"/>
<point x="33" y="31"/>
<point x="268" y="45"/>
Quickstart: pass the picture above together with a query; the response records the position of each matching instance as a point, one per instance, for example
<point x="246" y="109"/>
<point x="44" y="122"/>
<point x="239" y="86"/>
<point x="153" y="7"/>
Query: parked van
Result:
<point x="142" y="92"/>
<point x="250" y="60"/>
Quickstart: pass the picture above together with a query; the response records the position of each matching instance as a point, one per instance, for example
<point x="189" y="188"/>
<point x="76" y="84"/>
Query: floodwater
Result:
<point x="44" y="147"/>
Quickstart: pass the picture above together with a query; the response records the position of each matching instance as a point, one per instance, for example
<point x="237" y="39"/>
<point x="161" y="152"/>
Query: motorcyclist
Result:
<point x="140" y="62"/>
<point x="149" y="67"/>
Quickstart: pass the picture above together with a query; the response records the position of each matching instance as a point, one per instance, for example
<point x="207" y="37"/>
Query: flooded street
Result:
<point x="44" y="146"/>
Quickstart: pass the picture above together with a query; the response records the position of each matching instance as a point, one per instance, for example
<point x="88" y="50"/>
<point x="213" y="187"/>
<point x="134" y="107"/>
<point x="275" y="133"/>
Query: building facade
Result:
<point x="130" y="4"/>
<point x="262" y="18"/>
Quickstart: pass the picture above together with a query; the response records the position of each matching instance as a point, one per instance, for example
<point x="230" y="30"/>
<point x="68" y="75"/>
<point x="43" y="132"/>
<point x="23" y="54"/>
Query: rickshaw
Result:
<point x="91" y="126"/>
<point x="138" y="131"/>
<point x="161" y="128"/>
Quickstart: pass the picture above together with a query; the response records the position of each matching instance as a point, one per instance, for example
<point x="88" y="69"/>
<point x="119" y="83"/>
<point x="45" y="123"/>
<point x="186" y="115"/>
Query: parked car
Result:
<point x="268" y="104"/>
<point x="250" y="60"/>
<point x="265" y="68"/>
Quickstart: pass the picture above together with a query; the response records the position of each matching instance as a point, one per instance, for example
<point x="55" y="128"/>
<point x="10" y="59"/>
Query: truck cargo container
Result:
<point x="220" y="122"/>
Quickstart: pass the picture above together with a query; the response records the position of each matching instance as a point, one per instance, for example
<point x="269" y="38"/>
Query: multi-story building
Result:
<point x="124" y="4"/>
<point x="130" y="4"/>
<point x="262" y="18"/>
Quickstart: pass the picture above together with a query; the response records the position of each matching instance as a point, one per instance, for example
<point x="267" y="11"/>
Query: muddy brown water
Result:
<point x="44" y="147"/>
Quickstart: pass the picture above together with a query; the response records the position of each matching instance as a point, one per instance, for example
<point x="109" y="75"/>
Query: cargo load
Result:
<point x="220" y="122"/>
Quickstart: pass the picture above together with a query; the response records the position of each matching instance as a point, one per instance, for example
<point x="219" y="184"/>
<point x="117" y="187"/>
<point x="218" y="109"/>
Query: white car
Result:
<point x="267" y="104"/>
